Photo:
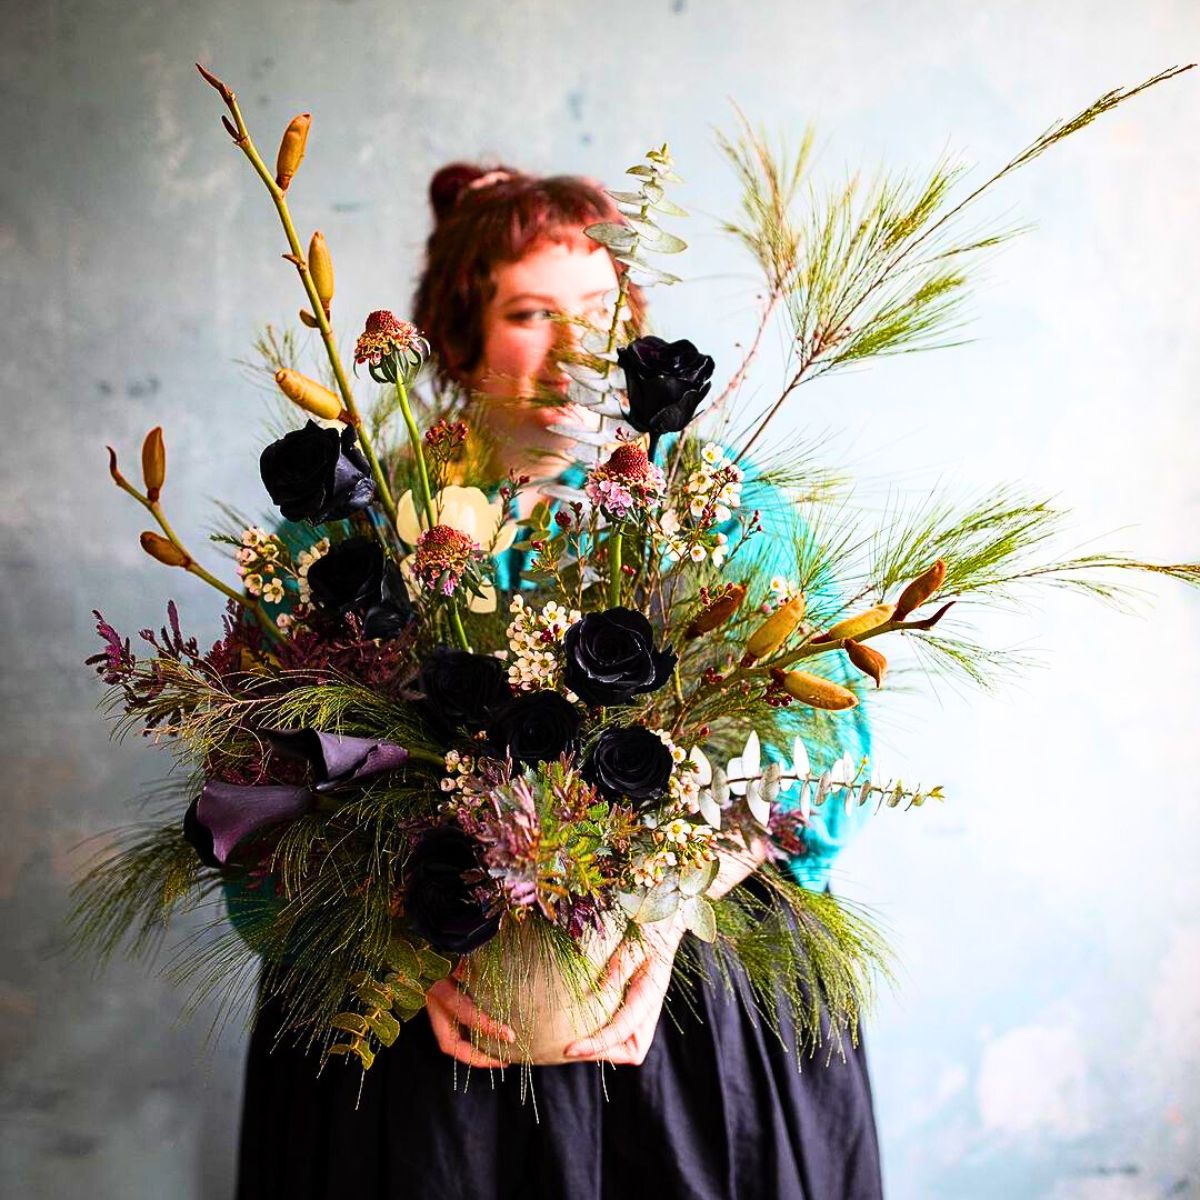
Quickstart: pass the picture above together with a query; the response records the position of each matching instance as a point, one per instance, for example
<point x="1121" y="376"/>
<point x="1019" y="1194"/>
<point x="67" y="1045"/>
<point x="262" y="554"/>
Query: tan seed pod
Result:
<point x="868" y="661"/>
<point x="291" y="149"/>
<point x="320" y="267"/>
<point x="774" y="631"/>
<point x="814" y="690"/>
<point x="166" y="552"/>
<point x="308" y="394"/>
<point x="921" y="588"/>
<point x="714" y="615"/>
<point x="306" y="318"/>
<point x="860" y="623"/>
<point x="154" y="463"/>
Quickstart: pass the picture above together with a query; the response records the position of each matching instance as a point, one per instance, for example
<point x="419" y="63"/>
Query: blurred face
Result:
<point x="523" y="329"/>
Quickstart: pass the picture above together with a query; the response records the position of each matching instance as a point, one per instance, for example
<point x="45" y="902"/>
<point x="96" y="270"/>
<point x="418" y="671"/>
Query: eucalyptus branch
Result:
<point x="241" y="138"/>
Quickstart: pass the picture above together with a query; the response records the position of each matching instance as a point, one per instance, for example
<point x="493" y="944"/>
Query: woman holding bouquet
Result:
<point x="704" y="1103"/>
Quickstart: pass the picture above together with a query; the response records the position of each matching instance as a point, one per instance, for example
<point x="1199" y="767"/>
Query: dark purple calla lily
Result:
<point x="224" y="814"/>
<point x="338" y="760"/>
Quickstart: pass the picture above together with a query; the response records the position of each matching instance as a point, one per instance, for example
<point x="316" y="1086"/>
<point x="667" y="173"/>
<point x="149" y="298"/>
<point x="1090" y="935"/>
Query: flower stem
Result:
<point x="414" y="436"/>
<point x="457" y="625"/>
<point x="614" y="568"/>
<point x="245" y="143"/>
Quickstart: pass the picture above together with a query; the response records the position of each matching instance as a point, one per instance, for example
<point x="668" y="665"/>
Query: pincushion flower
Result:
<point x="628" y="481"/>
<point x="469" y="511"/>
<point x="386" y="336"/>
<point x="443" y="556"/>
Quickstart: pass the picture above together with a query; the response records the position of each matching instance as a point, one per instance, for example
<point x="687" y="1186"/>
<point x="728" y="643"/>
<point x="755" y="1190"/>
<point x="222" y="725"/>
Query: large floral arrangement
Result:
<point x="408" y="755"/>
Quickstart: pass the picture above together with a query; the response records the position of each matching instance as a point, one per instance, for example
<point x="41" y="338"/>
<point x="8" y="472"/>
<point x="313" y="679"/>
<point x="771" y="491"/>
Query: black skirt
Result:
<point x="718" y="1111"/>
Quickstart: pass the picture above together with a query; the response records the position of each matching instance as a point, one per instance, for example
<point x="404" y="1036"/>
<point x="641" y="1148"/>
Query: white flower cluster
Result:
<point x="715" y="489"/>
<point x="533" y="640"/>
<point x="260" y="558"/>
<point x="306" y="560"/>
<point x="458" y="767"/>
<point x="681" y="843"/>
<point x="677" y="542"/>
<point x="712" y="492"/>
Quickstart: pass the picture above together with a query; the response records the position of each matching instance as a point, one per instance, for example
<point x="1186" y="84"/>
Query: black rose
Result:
<point x="354" y="577"/>
<point x="441" y="905"/>
<point x="461" y="689"/>
<point x="664" y="382"/>
<point x="611" y="657"/>
<point x="317" y="474"/>
<point x="534" y="727"/>
<point x="630" y="763"/>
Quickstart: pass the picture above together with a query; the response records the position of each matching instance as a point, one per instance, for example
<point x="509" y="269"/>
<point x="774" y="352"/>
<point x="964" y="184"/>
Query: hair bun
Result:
<point x="448" y="183"/>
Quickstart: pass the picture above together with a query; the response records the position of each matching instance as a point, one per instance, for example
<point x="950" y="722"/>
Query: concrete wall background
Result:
<point x="1045" y="1038"/>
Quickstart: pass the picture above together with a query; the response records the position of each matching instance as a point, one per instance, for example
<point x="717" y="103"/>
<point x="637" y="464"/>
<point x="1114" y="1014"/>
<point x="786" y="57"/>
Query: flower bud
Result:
<point x="774" y="631"/>
<point x="154" y="463"/>
<point x="291" y="149"/>
<point x="308" y="394"/>
<point x="166" y="552"/>
<point x="320" y="268"/>
<point x="861" y="623"/>
<point x="117" y="477"/>
<point x="814" y="690"/>
<point x="921" y="588"/>
<point x="868" y="661"/>
<point x="714" y="615"/>
<point x="306" y="318"/>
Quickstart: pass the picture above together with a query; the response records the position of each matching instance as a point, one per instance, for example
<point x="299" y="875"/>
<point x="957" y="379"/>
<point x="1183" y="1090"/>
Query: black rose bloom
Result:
<point x="317" y="474"/>
<point x="441" y="906"/>
<point x="354" y="577"/>
<point x="630" y="763"/>
<point x="392" y="613"/>
<point x="611" y="657"/>
<point x="664" y="382"/>
<point x="461" y="689"/>
<point x="534" y="727"/>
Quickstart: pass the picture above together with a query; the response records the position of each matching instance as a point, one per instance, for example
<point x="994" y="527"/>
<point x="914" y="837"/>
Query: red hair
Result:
<point x="484" y="217"/>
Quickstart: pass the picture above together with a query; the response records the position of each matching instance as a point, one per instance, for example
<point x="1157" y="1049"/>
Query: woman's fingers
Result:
<point x="624" y="960"/>
<point x="466" y="1012"/>
<point x="447" y="1032"/>
<point x="638" y="1015"/>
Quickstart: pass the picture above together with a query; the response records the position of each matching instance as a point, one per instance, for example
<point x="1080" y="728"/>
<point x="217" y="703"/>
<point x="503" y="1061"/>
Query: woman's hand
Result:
<point x="454" y="1015"/>
<point x="737" y="864"/>
<point x="645" y="965"/>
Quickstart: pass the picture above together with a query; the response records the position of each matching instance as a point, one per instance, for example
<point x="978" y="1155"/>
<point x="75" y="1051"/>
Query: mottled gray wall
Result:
<point x="1044" y="1039"/>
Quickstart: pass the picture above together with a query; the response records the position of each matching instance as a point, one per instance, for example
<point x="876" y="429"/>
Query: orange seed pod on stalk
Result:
<point x="154" y="463"/>
<point x="166" y="552"/>
<point x="921" y="588"/>
<point x="320" y="268"/>
<point x="714" y="615"/>
<point x="291" y="149"/>
<point x="860" y="623"/>
<point x="814" y="690"/>
<point x="868" y="661"/>
<point x="774" y="631"/>
<point x="308" y="394"/>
